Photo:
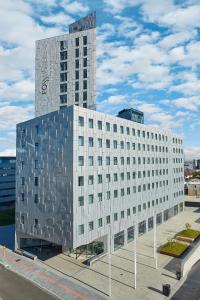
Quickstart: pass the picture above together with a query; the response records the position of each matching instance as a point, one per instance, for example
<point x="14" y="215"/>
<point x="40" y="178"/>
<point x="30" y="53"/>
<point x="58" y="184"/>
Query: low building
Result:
<point x="7" y="182"/>
<point x="193" y="188"/>
<point x="82" y="174"/>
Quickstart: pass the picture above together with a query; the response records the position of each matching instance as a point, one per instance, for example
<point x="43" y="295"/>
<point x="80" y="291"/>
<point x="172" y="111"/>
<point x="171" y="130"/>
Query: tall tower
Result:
<point x="65" y="68"/>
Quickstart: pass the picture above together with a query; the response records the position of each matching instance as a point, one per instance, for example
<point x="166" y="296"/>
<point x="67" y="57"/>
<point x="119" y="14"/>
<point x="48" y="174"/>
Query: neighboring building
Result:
<point x="132" y="114"/>
<point x="81" y="173"/>
<point x="198" y="164"/>
<point x="65" y="68"/>
<point x="7" y="181"/>
<point x="193" y="188"/>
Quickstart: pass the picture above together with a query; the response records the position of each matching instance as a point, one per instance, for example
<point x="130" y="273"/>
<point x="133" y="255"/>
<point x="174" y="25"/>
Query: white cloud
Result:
<point x="21" y="90"/>
<point x="11" y="115"/>
<point x="8" y="152"/>
<point x="74" y="7"/>
<point x="192" y="152"/>
<point x="59" y="19"/>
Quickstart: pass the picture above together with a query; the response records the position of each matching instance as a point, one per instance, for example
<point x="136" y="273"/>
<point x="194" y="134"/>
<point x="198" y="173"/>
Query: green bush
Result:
<point x="189" y="233"/>
<point x="173" y="249"/>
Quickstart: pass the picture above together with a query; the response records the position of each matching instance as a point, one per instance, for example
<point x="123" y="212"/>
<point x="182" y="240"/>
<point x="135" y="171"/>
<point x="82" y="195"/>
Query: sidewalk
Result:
<point x="63" y="288"/>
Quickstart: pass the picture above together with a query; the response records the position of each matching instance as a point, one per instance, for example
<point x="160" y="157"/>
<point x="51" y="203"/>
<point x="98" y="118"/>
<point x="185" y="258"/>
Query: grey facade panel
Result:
<point x="86" y="23"/>
<point x="7" y="181"/>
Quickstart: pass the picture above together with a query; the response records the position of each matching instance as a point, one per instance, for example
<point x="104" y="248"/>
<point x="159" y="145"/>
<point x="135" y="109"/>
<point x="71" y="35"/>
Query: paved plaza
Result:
<point x="70" y="279"/>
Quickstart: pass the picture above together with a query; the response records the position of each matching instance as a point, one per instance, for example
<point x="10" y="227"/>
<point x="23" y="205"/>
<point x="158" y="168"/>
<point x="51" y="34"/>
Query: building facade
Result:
<point x="65" y="68"/>
<point x="82" y="173"/>
<point x="7" y="181"/>
<point x="193" y="188"/>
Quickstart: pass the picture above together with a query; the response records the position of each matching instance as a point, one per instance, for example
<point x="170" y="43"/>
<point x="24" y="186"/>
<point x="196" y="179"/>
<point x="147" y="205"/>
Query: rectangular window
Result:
<point x="77" y="63"/>
<point x="81" y="181"/>
<point x="91" y="225"/>
<point x="90" y="142"/>
<point x="85" y="84"/>
<point x="91" y="123"/>
<point x="63" y="45"/>
<point x="81" y="229"/>
<point x="90" y="179"/>
<point x="99" y="179"/>
<point x="121" y="129"/>
<point x="122" y="214"/>
<point x="100" y="197"/>
<point x="84" y="51"/>
<point x="107" y="143"/>
<point x="107" y="126"/>
<point x="63" y="77"/>
<point x="63" y="88"/>
<point x="77" y="42"/>
<point x="76" y="86"/>
<point x="81" y="160"/>
<point x="115" y="161"/>
<point x="63" y="55"/>
<point x="99" y="124"/>
<point x="115" y="193"/>
<point x="100" y="160"/>
<point x="90" y="199"/>
<point x="36" y="164"/>
<point x="81" y="141"/>
<point x="108" y="195"/>
<point x="107" y="160"/>
<point x="22" y="219"/>
<point x="108" y="178"/>
<point x="22" y="180"/>
<point x="63" y="99"/>
<point x="85" y="96"/>
<point x="85" y="40"/>
<point x="115" y="144"/>
<point x="90" y="161"/>
<point x="85" y="73"/>
<point x="81" y="121"/>
<point x="99" y="143"/>
<point x="77" y="52"/>
<point x="108" y="219"/>
<point x="114" y="127"/>
<point x="77" y="75"/>
<point x="115" y="216"/>
<point x="36" y="223"/>
<point x="22" y="197"/>
<point x="63" y="66"/>
<point x="36" y="198"/>
<point x="81" y="201"/>
<point x="100" y="222"/>
<point x="36" y="181"/>
<point x="76" y="97"/>
<point x="85" y="62"/>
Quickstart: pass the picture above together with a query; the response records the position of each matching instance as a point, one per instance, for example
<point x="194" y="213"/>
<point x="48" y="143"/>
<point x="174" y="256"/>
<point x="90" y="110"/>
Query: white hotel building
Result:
<point x="85" y="172"/>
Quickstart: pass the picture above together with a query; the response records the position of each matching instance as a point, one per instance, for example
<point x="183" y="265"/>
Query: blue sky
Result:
<point x="148" y="57"/>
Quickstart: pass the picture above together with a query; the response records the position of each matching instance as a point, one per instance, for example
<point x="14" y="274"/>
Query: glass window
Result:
<point x="63" y="88"/>
<point x="85" y="73"/>
<point x="100" y="222"/>
<point x="122" y="214"/>
<point x="81" y="201"/>
<point x="99" y="178"/>
<point x="22" y="180"/>
<point x="63" y="55"/>
<point x="63" y="45"/>
<point x="77" y="75"/>
<point x="115" y="216"/>
<point x="115" y="144"/>
<point x="84" y="51"/>
<point x="107" y="143"/>
<point x="81" y="160"/>
<point x="107" y="160"/>
<point x="108" y="195"/>
<point x="91" y="225"/>
<point x="108" y="219"/>
<point x="115" y="161"/>
<point x="85" y="62"/>
<point x="76" y="97"/>
<point x="36" y="198"/>
<point x="85" y="84"/>
<point x="90" y="141"/>
<point x="63" y="99"/>
<point x="90" y="199"/>
<point x="81" y="229"/>
<point x="121" y="129"/>
<point x="81" y="181"/>
<point x="107" y="126"/>
<point x="115" y="193"/>
<point x="36" y="222"/>
<point x="91" y="123"/>
<point x="90" y="161"/>
<point x="63" y="66"/>
<point x="22" y="196"/>
<point x="114" y="127"/>
<point x="81" y="121"/>
<point x="100" y="198"/>
<point x="36" y="181"/>
<point x="76" y="86"/>
<point x="77" y="63"/>
<point x="100" y="160"/>
<point x="85" y="40"/>
<point x="77" y="52"/>
<point x="90" y="179"/>
<point x="36" y="164"/>
<point x="108" y="177"/>
<point x="77" y="42"/>
<point x="81" y="141"/>
<point x="85" y="96"/>
<point x="63" y="77"/>
<point x="99" y="123"/>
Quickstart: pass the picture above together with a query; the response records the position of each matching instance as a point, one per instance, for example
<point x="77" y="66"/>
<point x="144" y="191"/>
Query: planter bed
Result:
<point x="189" y="234"/>
<point x="174" y="249"/>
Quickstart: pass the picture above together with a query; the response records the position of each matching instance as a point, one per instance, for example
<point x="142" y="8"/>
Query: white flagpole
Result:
<point x="109" y="263"/>
<point x="155" y="242"/>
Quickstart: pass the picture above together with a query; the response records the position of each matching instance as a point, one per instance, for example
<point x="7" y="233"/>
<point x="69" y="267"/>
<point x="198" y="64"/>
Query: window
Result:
<point x="115" y="128"/>
<point x="36" y="181"/>
<point x="80" y="121"/>
<point x="81" y="160"/>
<point x="115" y="177"/>
<point x="100" y="198"/>
<point x="122" y="214"/>
<point x="85" y="73"/>
<point x="115" y="144"/>
<point x="85" y="40"/>
<point x="100" y="222"/>
<point x="122" y="192"/>
<point x="36" y="198"/>
<point x="108" y="178"/>
<point x="22" y="197"/>
<point x="22" y="219"/>
<point x="122" y="176"/>
<point x="63" y="99"/>
<point x="81" y="141"/>
<point x="76" y="97"/>
<point x="85" y="62"/>
<point x="122" y="145"/>
<point x="81" y="229"/>
<point x="90" y="199"/>
<point x="128" y="212"/>
<point x="76" y="86"/>
<point x="90" y="179"/>
<point x="63" y="66"/>
<point x="108" y="195"/>
<point x="36" y="164"/>
<point x="91" y="225"/>
<point x="77" y="42"/>
<point x="36" y="222"/>
<point x="108" y="219"/>
<point x="107" y="143"/>
<point x="91" y="123"/>
<point x="107" y="160"/>
<point x="107" y="126"/>
<point x="99" y="179"/>
<point x="115" y="216"/>
<point x="77" y="75"/>
<point x="90" y="161"/>
<point x="90" y="142"/>
<point x="77" y="52"/>
<point x="63" y="55"/>
<point x="63" y="45"/>
<point x="36" y="147"/>
<point x="84" y="51"/>
<point x="100" y="160"/>
<point x="77" y="63"/>
<point x="99" y="143"/>
<point x="63" y="77"/>
<point x="121" y="129"/>
<point x="22" y="180"/>
<point x="85" y="84"/>
<point x="81" y="201"/>
<point x="63" y="88"/>
<point x="115" y="193"/>
<point x="115" y="161"/>
<point x="81" y="181"/>
<point x="122" y="161"/>
<point x="85" y="96"/>
<point x="99" y="124"/>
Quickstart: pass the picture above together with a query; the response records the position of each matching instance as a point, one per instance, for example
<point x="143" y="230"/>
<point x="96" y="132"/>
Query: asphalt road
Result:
<point x="190" y="290"/>
<point x="14" y="287"/>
